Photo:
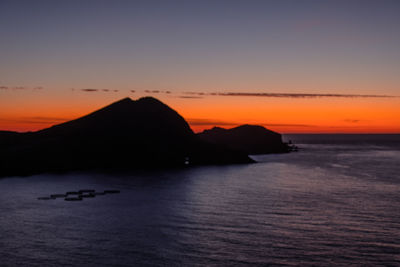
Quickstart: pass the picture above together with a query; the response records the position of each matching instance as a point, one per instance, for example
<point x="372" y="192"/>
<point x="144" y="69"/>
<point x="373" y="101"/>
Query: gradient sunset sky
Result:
<point x="293" y="66"/>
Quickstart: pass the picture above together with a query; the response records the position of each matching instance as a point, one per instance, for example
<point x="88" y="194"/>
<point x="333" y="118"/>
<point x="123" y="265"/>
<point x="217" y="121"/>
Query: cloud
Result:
<point x="195" y="97"/>
<point x="301" y="95"/>
<point x="197" y="93"/>
<point x="230" y="124"/>
<point x="351" y="120"/>
<point x="157" y="91"/>
<point x="200" y="122"/>
<point x="285" y="125"/>
<point x="37" y="119"/>
<point x="287" y="95"/>
<point x="89" y="90"/>
<point x="152" y="91"/>
<point x="3" y="87"/>
<point x="13" y="87"/>
<point x="93" y="90"/>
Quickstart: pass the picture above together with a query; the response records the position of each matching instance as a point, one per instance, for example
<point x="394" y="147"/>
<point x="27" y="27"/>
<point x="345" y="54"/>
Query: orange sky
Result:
<point x="29" y="110"/>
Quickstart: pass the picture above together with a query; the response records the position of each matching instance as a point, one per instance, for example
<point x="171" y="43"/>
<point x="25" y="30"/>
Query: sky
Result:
<point x="292" y="66"/>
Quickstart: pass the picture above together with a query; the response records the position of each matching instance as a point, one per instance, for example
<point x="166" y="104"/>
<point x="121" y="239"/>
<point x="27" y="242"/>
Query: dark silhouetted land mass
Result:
<point x="250" y="139"/>
<point x="127" y="134"/>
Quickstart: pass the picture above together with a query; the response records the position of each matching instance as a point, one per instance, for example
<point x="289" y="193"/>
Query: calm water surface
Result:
<point x="331" y="203"/>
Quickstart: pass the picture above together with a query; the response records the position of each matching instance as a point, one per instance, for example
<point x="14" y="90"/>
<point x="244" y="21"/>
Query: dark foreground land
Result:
<point x="130" y="134"/>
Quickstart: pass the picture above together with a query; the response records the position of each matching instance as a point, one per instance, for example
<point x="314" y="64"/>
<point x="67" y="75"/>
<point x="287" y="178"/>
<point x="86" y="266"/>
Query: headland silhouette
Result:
<point x="130" y="134"/>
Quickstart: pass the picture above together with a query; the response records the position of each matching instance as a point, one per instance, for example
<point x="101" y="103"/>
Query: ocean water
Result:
<point x="336" y="202"/>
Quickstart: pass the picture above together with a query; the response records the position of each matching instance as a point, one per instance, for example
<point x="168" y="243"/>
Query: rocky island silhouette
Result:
<point x="130" y="134"/>
<point x="251" y="139"/>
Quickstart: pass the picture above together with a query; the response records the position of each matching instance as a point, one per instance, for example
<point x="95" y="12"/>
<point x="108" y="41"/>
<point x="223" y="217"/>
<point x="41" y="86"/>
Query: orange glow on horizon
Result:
<point x="299" y="115"/>
<point x="284" y="115"/>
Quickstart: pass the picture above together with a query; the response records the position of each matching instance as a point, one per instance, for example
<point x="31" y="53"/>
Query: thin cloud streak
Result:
<point x="157" y="91"/>
<point x="93" y="90"/>
<point x="90" y="90"/>
<point x="190" y="97"/>
<point x="288" y="95"/>
<point x="3" y="87"/>
<point x="302" y="95"/>
<point x="212" y="122"/>
<point x="285" y="125"/>
<point x="351" y="121"/>
<point x="37" y="120"/>
<point x="152" y="91"/>
<point x="202" y="122"/>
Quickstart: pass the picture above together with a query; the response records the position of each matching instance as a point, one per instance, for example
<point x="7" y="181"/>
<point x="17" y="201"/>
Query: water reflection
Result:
<point x="302" y="208"/>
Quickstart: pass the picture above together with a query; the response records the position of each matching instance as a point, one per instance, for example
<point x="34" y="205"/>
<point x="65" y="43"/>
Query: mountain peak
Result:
<point x="125" y="100"/>
<point x="148" y="98"/>
<point x="126" y="134"/>
<point x="127" y="117"/>
<point x="149" y="101"/>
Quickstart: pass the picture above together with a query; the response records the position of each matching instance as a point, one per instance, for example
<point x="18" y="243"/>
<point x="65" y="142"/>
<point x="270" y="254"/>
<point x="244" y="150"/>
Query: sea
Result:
<point x="335" y="202"/>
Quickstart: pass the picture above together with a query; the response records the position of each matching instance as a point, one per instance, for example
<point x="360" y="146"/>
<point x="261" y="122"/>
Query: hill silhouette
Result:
<point x="127" y="134"/>
<point x="251" y="139"/>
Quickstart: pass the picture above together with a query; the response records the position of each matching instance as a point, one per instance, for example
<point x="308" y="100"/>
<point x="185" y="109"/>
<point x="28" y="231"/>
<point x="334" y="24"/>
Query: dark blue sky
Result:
<point x="280" y="45"/>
